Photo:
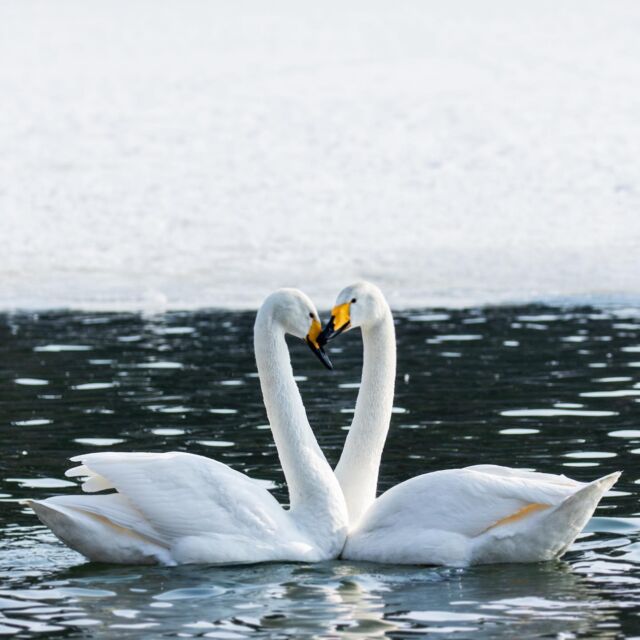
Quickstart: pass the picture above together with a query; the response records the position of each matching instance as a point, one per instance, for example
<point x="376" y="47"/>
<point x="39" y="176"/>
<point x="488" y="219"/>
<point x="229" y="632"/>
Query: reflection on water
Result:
<point x="555" y="390"/>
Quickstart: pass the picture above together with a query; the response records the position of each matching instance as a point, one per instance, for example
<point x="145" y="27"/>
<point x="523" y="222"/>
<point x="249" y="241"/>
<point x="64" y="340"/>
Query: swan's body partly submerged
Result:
<point x="477" y="515"/>
<point x="480" y="514"/>
<point x="176" y="508"/>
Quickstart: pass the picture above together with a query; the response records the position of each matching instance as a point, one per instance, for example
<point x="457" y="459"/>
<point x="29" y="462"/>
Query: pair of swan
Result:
<point x="176" y="508"/>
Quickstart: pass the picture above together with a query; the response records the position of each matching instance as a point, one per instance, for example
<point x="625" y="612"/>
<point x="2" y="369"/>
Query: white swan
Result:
<point x="176" y="508"/>
<point x="480" y="514"/>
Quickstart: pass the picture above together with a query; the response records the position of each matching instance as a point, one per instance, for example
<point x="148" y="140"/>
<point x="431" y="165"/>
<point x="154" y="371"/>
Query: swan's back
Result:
<point x="478" y="514"/>
<point x="172" y="508"/>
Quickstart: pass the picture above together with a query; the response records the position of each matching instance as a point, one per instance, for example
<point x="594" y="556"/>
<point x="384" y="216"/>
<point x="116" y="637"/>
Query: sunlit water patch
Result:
<point x="518" y="390"/>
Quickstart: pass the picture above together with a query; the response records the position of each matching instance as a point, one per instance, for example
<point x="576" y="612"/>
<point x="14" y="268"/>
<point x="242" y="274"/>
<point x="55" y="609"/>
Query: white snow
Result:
<point x="192" y="154"/>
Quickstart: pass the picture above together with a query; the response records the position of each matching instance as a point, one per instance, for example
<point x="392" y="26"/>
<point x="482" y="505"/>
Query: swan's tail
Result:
<point x="546" y="533"/>
<point x="93" y="526"/>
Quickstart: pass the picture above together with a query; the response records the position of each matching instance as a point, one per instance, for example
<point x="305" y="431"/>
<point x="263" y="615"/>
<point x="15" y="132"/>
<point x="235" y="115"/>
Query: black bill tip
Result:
<point x="320" y="352"/>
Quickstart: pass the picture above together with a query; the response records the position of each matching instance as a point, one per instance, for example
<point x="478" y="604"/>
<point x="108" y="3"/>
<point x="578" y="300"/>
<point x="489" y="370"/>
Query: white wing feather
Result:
<point x="181" y="494"/>
<point x="479" y="514"/>
<point x="465" y="501"/>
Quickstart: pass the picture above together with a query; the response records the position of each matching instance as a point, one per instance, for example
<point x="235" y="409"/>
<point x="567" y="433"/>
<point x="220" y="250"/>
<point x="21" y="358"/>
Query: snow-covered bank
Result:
<point x="200" y="154"/>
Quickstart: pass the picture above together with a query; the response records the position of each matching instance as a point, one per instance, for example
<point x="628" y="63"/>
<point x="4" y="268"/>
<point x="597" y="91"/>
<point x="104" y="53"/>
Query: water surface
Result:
<point x="551" y="389"/>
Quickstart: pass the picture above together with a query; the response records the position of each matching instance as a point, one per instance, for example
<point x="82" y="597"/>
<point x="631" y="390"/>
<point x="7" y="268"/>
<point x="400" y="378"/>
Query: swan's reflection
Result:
<point x="325" y="599"/>
<point x="545" y="598"/>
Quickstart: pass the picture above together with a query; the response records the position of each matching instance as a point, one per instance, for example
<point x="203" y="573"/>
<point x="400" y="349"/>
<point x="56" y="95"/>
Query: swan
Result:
<point x="476" y="515"/>
<point x="178" y="508"/>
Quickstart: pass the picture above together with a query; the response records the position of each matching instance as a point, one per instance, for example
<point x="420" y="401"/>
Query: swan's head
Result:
<point x="358" y="305"/>
<point x="298" y="316"/>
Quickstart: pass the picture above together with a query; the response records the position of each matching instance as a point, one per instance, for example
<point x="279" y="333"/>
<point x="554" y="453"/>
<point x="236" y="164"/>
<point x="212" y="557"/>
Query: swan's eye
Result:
<point x="353" y="300"/>
<point x="311" y="315"/>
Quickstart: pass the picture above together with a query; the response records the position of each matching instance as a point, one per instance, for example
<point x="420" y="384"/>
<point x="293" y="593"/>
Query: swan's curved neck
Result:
<point x="313" y="489"/>
<point x="357" y="470"/>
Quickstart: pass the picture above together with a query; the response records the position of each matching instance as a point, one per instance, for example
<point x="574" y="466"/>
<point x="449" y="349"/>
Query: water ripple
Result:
<point x="545" y="413"/>
<point x="458" y="402"/>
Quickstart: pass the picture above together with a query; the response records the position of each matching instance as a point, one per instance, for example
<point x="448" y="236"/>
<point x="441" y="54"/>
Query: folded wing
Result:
<point x="183" y="494"/>
<point x="466" y="501"/>
<point x="479" y="514"/>
<point x="177" y="507"/>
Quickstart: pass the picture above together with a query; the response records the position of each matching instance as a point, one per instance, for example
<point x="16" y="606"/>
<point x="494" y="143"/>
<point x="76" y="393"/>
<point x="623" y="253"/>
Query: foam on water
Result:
<point x="202" y="154"/>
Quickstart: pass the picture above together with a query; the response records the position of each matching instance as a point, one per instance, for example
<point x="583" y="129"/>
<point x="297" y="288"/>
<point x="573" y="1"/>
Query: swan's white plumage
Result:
<point x="466" y="501"/>
<point x="103" y="528"/>
<point x="465" y="516"/>
<point x="184" y="503"/>
<point x="480" y="514"/>
<point x="177" y="508"/>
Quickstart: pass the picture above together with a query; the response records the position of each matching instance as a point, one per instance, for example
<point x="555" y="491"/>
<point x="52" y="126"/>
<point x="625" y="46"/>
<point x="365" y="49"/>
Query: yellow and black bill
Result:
<point x="340" y="321"/>
<point x="315" y="345"/>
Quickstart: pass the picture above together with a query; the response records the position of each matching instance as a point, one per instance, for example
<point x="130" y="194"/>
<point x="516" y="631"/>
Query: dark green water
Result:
<point x="551" y="389"/>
